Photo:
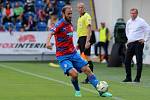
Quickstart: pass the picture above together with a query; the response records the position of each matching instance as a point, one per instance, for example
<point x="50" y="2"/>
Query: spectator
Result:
<point x="7" y="13"/>
<point x="1" y="8"/>
<point x="1" y="1"/>
<point x="21" y="29"/>
<point x="47" y="1"/>
<point x="30" y="24"/>
<point x="7" y="19"/>
<point x="2" y="28"/>
<point x="67" y="2"/>
<point x="9" y="27"/>
<point x="41" y="16"/>
<point x="18" y="11"/>
<point x="51" y="22"/>
<point x="49" y="9"/>
<point x="29" y="6"/>
<point x="1" y="11"/>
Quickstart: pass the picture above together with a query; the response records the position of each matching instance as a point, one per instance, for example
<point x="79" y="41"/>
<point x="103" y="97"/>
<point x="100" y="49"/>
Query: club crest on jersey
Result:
<point x="65" y="65"/>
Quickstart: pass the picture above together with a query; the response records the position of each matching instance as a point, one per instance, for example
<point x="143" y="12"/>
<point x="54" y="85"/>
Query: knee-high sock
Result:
<point x="93" y="80"/>
<point x="90" y="65"/>
<point x="75" y="84"/>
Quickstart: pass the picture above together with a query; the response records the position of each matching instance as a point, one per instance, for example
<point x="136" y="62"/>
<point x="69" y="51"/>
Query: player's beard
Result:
<point x="68" y="19"/>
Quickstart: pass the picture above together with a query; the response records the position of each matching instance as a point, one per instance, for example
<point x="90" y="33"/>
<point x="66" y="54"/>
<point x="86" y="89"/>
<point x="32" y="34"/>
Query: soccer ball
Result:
<point x="102" y="86"/>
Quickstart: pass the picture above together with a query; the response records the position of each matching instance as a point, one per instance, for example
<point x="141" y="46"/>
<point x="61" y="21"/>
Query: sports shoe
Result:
<point x="137" y="80"/>
<point x="78" y="94"/>
<point x="127" y="80"/>
<point x="105" y="94"/>
<point x="86" y="81"/>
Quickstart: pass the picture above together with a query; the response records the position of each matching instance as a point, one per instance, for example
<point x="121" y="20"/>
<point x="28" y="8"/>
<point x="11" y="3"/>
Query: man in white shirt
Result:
<point x="137" y="32"/>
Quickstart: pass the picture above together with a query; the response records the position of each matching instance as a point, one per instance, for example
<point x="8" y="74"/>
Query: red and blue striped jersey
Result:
<point x="63" y="38"/>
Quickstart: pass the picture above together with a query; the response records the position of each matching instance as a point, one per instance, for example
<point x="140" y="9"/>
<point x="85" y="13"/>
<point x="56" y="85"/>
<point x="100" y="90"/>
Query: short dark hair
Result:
<point x="66" y="7"/>
<point x="134" y="9"/>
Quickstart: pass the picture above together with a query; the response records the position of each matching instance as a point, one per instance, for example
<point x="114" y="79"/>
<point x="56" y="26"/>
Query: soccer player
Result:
<point x="69" y="60"/>
<point x="84" y="34"/>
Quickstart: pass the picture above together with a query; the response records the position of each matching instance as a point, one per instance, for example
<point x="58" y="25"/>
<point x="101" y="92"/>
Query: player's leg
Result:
<point x="94" y="81"/>
<point x="87" y="56"/>
<point x="82" y="66"/>
<point x="81" y="45"/>
<point x="87" y="53"/>
<point x="74" y="79"/>
<point x="68" y="69"/>
<point x="90" y="75"/>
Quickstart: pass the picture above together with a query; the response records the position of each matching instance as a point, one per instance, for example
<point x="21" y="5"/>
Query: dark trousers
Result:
<point x="81" y="44"/>
<point x="134" y="48"/>
<point x="105" y="47"/>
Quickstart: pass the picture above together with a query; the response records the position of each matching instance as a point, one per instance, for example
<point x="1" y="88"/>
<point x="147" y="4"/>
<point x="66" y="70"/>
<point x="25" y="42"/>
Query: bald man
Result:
<point x="84" y="35"/>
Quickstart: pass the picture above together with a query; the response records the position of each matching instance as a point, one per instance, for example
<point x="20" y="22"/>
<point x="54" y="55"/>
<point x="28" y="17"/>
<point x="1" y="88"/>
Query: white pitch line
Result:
<point x="51" y="79"/>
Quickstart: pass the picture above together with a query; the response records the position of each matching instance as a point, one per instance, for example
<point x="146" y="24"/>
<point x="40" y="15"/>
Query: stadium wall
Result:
<point x="25" y="46"/>
<point x="110" y="10"/>
<point x="31" y="46"/>
<point x="142" y="5"/>
<point x="27" y="57"/>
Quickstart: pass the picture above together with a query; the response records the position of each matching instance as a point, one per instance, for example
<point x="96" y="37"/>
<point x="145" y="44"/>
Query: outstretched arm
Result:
<point x="48" y="44"/>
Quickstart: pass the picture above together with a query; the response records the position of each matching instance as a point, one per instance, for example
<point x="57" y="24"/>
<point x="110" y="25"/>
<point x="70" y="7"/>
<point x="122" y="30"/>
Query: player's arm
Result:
<point x="53" y="31"/>
<point x="88" y="36"/>
<point x="89" y="28"/>
<point x="48" y="44"/>
<point x="147" y="31"/>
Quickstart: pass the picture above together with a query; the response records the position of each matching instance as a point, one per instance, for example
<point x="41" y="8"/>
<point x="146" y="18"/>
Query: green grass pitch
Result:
<point x="38" y="81"/>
